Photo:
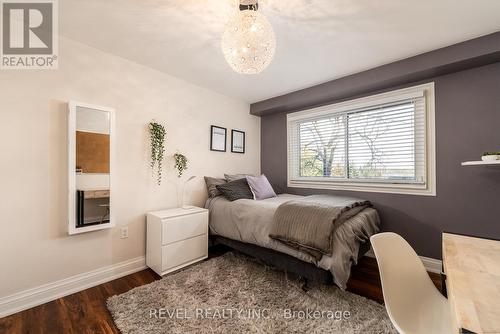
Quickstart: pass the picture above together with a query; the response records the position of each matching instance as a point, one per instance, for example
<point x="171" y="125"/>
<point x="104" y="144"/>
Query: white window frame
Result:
<point x="428" y="188"/>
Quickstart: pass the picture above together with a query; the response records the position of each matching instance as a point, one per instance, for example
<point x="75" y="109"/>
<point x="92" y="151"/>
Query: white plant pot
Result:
<point x="490" y="157"/>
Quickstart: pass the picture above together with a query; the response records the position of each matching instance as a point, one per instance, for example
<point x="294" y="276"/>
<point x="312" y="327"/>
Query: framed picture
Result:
<point x="218" y="137"/>
<point x="237" y="141"/>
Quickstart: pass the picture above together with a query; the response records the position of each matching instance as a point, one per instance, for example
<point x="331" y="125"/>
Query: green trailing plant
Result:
<point x="181" y="163"/>
<point x="491" y="153"/>
<point x="157" y="135"/>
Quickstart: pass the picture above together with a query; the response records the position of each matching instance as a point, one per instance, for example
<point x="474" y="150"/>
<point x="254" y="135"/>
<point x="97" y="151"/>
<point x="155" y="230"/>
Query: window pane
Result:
<point x="382" y="143"/>
<point x="322" y="147"/>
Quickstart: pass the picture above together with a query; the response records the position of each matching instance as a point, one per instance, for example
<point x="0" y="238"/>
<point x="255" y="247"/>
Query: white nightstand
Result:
<point x="176" y="238"/>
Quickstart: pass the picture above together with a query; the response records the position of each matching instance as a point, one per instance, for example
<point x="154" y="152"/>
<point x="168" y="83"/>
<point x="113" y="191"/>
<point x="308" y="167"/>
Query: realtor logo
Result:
<point x="29" y="34"/>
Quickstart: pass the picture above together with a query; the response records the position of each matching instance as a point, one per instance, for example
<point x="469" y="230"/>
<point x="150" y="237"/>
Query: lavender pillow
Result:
<point x="260" y="187"/>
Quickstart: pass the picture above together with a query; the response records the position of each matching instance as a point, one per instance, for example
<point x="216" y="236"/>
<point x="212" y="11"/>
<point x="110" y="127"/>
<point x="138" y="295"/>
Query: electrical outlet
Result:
<point x="124" y="233"/>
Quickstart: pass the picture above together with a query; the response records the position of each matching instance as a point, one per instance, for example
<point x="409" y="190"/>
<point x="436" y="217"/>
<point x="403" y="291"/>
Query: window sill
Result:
<point x="406" y="189"/>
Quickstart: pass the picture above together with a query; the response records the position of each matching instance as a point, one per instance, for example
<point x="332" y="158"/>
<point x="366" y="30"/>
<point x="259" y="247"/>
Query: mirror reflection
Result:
<point x="92" y="167"/>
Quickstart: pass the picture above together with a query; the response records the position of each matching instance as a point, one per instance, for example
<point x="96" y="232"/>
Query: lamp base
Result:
<point x="187" y="207"/>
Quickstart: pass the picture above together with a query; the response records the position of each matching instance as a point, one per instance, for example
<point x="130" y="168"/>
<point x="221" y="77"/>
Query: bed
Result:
<point x="245" y="224"/>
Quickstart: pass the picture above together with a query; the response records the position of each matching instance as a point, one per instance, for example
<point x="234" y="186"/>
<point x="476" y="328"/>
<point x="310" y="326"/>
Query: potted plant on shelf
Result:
<point x="490" y="156"/>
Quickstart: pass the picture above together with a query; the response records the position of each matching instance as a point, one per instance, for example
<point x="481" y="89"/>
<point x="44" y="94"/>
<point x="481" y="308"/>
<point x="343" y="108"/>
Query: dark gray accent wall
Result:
<point x="468" y="198"/>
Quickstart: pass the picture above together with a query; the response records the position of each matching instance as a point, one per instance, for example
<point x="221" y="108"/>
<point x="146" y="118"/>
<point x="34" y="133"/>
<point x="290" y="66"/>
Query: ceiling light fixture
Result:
<point x="248" y="42"/>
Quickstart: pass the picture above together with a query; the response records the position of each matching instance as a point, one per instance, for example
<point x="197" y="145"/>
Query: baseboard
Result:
<point x="45" y="293"/>
<point x="430" y="264"/>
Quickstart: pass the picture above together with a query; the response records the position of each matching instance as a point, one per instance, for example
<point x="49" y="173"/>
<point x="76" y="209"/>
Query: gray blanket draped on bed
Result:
<point x="308" y="224"/>
<point x="251" y="221"/>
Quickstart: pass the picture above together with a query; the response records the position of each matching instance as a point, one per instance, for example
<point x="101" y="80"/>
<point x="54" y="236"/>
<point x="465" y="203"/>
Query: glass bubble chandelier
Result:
<point x="248" y="42"/>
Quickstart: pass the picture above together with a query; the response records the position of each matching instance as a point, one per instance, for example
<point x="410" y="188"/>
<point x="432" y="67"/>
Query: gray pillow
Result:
<point x="260" y="187"/>
<point x="234" y="177"/>
<point x="211" y="183"/>
<point x="234" y="190"/>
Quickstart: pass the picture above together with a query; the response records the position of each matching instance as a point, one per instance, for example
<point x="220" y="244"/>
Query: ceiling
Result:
<point x="317" y="40"/>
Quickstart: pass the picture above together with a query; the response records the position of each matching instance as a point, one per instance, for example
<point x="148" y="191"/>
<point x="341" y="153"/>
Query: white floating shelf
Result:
<point x="480" y="162"/>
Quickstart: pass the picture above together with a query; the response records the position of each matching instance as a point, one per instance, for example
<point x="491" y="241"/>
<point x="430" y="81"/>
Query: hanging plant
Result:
<point x="157" y="134"/>
<point x="180" y="163"/>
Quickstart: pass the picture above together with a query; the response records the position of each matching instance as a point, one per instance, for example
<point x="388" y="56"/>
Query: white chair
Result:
<point x="412" y="301"/>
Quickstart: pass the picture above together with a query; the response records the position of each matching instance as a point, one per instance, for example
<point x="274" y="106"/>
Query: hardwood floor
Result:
<point x="82" y="312"/>
<point x="86" y="312"/>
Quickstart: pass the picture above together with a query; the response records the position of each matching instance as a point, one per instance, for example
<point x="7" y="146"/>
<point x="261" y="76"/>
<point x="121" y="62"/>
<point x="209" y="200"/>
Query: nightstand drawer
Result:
<point x="182" y="252"/>
<point x="184" y="227"/>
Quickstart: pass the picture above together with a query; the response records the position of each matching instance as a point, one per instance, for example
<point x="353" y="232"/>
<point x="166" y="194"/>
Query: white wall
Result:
<point x="92" y="181"/>
<point x="89" y="120"/>
<point x="34" y="246"/>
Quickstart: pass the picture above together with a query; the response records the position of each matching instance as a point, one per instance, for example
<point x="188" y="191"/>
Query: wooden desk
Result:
<point x="472" y="268"/>
<point x="96" y="193"/>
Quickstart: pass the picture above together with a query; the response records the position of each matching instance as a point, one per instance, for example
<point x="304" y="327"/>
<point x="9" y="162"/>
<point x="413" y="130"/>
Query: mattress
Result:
<point x="250" y="221"/>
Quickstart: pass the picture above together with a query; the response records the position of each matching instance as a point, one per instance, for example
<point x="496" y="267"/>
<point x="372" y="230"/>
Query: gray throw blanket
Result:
<point x="308" y="224"/>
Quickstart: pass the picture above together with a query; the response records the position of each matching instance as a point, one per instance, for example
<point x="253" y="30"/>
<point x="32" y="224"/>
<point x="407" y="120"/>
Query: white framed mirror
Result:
<point x="91" y="163"/>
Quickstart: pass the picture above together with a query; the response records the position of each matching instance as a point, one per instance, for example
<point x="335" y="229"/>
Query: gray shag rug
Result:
<point x="235" y="294"/>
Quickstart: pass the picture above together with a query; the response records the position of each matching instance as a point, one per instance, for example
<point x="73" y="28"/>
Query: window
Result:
<point x="381" y="143"/>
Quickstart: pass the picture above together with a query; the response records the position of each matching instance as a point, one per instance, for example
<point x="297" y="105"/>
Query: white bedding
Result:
<point x="249" y="221"/>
